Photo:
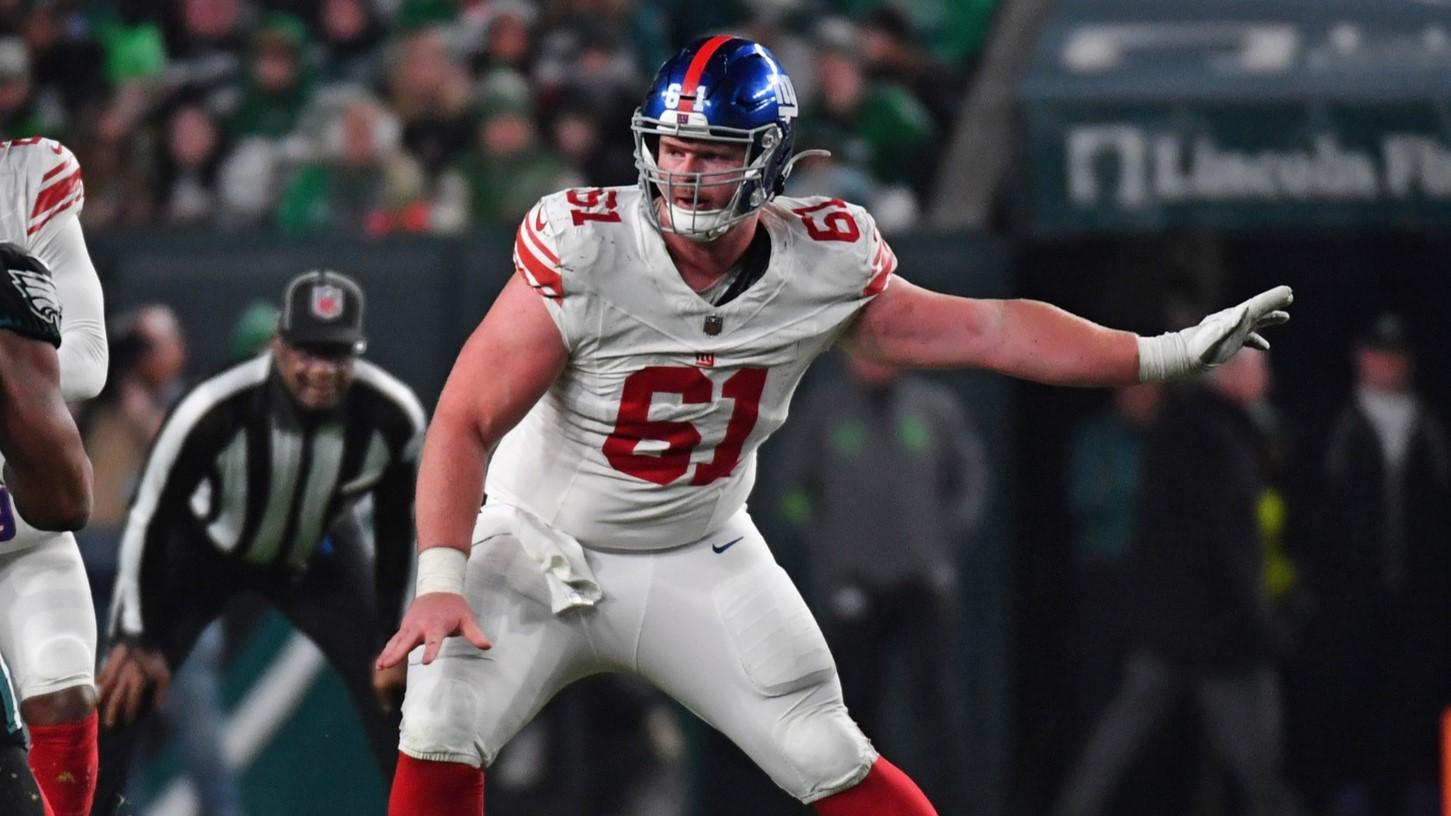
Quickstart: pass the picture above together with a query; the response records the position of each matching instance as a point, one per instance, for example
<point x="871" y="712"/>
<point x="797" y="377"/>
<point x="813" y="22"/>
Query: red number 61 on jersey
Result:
<point x="633" y="424"/>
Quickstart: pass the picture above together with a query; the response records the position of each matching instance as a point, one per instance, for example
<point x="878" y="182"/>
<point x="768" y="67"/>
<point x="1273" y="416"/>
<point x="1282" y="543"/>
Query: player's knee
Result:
<point x="64" y="706"/>
<point x="62" y="661"/>
<point x="440" y="722"/>
<point x="826" y="751"/>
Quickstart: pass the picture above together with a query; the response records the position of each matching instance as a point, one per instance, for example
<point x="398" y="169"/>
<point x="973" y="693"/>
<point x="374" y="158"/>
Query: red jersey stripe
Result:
<point x="884" y="263"/>
<point x="538" y="242"/>
<point x="52" y="171"/>
<point x="697" y="67"/>
<point x="54" y="195"/>
<point x="539" y="275"/>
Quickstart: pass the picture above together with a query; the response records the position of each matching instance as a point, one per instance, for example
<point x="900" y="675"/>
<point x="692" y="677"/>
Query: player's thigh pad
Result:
<point x="730" y="637"/>
<point x="47" y="621"/>
<point x="467" y="703"/>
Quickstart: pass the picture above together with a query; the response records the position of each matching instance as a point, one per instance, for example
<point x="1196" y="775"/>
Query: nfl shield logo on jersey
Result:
<point x="327" y="302"/>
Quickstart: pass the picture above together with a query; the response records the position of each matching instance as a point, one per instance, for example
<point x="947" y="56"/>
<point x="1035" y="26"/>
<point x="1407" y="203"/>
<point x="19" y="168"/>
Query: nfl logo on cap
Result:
<point x="322" y="309"/>
<point x="327" y="302"/>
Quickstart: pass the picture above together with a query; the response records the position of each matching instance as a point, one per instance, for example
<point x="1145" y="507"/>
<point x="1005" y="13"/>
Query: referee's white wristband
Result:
<point x="441" y="569"/>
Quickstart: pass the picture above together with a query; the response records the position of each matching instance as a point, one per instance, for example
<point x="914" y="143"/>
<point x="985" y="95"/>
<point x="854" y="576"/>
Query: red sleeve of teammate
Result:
<point x="536" y="255"/>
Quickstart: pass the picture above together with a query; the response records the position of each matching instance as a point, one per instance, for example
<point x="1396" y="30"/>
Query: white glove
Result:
<point x="1217" y="338"/>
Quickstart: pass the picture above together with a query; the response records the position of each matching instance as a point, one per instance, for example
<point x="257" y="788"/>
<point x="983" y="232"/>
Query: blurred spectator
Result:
<point x="1203" y="609"/>
<point x="350" y="36"/>
<point x="23" y="112"/>
<point x="65" y="57"/>
<point x="1105" y="482"/>
<point x="508" y="41"/>
<point x="584" y="57"/>
<point x="148" y="354"/>
<point x="885" y="459"/>
<point x="429" y="89"/>
<point x="880" y="125"/>
<point x="361" y="179"/>
<point x="578" y="133"/>
<point x="953" y="31"/>
<point x="261" y="130"/>
<point x="192" y="155"/>
<point x="205" y="41"/>
<point x="510" y="168"/>
<point x="1380" y="573"/>
<point x="131" y="40"/>
<point x="890" y="54"/>
<point x="277" y="83"/>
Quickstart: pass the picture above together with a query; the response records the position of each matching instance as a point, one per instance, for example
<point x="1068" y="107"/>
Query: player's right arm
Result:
<point x="508" y="363"/>
<point x="46" y="469"/>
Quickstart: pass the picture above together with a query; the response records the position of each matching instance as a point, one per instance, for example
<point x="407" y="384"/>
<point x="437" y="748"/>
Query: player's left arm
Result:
<point x="907" y="325"/>
<point x="83" y="351"/>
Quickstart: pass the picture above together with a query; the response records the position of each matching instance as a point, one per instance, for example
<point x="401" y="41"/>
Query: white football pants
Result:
<point x="47" y="621"/>
<point x="715" y="624"/>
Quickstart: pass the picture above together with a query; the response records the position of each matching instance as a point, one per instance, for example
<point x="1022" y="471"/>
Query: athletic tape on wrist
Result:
<point x="1165" y="357"/>
<point x="441" y="569"/>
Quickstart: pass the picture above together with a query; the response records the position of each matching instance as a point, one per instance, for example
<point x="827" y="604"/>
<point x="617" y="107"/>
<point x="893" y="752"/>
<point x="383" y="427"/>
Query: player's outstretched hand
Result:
<point x="1217" y="338"/>
<point x="432" y="617"/>
<point x="1220" y="336"/>
<point x="131" y="674"/>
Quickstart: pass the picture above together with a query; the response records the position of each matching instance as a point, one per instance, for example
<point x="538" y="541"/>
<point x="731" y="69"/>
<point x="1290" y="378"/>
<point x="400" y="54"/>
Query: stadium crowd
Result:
<point x="435" y="116"/>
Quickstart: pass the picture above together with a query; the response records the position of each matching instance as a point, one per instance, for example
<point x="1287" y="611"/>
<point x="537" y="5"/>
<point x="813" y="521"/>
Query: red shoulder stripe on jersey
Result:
<point x="538" y="242"/>
<point x="539" y="275"/>
<point x="697" y="67"/>
<point x="54" y="200"/>
<point x="52" y="171"/>
<point x="883" y="264"/>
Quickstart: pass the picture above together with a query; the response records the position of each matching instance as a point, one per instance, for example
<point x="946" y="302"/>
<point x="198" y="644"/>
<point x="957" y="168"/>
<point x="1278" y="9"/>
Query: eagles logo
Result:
<point x="38" y="290"/>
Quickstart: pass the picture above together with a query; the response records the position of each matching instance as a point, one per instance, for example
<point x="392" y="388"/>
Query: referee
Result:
<point x="249" y="474"/>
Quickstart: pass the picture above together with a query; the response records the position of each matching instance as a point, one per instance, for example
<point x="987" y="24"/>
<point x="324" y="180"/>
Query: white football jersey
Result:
<point x="40" y="181"/>
<point x="648" y="439"/>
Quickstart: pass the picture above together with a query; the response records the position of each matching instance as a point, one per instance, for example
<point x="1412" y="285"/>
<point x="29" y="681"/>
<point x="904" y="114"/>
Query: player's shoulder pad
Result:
<point x="842" y="233"/>
<point x="560" y="239"/>
<point x="28" y="302"/>
<point x="50" y="175"/>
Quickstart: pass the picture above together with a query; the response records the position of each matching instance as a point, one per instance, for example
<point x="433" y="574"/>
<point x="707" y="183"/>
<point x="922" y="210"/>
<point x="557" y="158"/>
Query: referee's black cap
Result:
<point x="322" y="310"/>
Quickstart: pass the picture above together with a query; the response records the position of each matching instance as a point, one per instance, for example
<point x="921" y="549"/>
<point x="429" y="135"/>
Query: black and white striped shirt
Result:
<point x="262" y="482"/>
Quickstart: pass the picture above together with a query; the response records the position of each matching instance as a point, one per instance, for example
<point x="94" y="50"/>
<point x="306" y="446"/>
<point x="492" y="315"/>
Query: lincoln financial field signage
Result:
<point x="1121" y="172"/>
<point x="1299" y="114"/>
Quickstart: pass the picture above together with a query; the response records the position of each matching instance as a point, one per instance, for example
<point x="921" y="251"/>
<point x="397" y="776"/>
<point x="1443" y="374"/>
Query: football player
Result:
<point x="47" y="624"/>
<point x="612" y="401"/>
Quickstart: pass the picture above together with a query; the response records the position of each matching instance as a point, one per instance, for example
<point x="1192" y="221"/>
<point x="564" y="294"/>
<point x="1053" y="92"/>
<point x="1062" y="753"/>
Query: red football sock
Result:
<point x="63" y="758"/>
<point x="424" y="788"/>
<point x="885" y="791"/>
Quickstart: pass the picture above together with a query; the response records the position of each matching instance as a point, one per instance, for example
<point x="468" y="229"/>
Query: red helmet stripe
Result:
<point x="697" y="67"/>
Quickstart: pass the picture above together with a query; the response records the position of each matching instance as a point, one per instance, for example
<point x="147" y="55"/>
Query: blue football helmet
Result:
<point x="721" y="89"/>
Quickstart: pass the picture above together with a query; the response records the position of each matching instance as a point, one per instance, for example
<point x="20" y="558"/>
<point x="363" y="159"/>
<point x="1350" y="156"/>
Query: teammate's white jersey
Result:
<point x="648" y="439"/>
<point x="41" y="195"/>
